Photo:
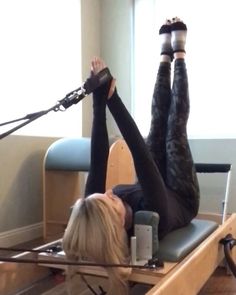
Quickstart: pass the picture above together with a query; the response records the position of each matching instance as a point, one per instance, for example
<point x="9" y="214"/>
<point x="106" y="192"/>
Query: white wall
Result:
<point x="40" y="63"/>
<point x="91" y="44"/>
<point x="21" y="157"/>
<point x="116" y="48"/>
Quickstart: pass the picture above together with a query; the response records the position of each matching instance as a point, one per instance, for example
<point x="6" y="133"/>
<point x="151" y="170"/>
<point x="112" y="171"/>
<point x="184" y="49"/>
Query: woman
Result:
<point x="167" y="181"/>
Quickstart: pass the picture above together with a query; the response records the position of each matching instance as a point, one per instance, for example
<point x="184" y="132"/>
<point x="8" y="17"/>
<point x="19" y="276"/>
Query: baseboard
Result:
<point x="21" y="235"/>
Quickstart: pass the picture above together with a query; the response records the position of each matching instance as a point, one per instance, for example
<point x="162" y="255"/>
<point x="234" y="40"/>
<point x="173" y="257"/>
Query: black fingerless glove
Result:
<point x="100" y="94"/>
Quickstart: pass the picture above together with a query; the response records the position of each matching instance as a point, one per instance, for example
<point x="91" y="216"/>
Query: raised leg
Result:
<point x="156" y="140"/>
<point x="181" y="174"/>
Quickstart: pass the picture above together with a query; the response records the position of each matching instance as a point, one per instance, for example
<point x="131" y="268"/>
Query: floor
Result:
<point x="219" y="284"/>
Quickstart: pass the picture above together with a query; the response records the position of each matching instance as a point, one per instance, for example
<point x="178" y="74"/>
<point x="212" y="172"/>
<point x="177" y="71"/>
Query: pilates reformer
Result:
<point x="190" y="254"/>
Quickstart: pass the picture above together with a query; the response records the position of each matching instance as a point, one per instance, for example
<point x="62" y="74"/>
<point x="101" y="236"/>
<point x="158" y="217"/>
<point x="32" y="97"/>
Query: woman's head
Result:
<point x="96" y="232"/>
<point x="112" y="201"/>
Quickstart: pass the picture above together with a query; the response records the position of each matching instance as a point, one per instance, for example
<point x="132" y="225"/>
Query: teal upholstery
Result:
<point x="69" y="154"/>
<point x="179" y="243"/>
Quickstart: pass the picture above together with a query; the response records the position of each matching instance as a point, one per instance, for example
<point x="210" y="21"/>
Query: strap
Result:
<point x="229" y="242"/>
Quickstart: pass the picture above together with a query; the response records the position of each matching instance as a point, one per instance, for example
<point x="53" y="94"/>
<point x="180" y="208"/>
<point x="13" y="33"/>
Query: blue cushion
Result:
<point x="69" y="154"/>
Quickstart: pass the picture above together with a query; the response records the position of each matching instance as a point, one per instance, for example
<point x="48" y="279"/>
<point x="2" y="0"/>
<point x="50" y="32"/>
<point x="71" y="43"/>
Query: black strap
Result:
<point x="91" y="289"/>
<point x="229" y="242"/>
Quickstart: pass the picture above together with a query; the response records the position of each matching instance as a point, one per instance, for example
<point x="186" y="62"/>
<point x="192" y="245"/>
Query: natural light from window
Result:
<point x="40" y="57"/>
<point x="210" y="62"/>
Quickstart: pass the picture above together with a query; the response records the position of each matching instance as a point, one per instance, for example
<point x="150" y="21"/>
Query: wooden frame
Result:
<point x="18" y="276"/>
<point x="120" y="166"/>
<point x="186" y="277"/>
<point x="60" y="191"/>
<point x="183" y="278"/>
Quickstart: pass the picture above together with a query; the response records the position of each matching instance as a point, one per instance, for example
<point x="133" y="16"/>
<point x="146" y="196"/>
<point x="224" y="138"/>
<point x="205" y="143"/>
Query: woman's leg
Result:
<point x="156" y="140"/>
<point x="96" y="181"/>
<point x="181" y="174"/>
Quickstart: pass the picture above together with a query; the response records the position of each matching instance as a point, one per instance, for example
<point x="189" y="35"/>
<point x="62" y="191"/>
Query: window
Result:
<point x="40" y="57"/>
<point x="210" y="61"/>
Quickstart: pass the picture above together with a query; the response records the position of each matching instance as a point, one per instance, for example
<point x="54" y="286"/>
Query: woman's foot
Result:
<point x="165" y="39"/>
<point x="178" y="37"/>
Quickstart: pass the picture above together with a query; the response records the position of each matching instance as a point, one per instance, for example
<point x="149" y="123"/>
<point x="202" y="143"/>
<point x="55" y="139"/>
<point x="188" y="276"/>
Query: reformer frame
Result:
<point x="184" y="277"/>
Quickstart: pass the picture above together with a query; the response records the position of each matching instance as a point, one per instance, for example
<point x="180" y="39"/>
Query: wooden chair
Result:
<point x="63" y="163"/>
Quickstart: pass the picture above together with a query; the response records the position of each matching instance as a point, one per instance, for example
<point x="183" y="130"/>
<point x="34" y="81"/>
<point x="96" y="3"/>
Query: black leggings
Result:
<point x="164" y="165"/>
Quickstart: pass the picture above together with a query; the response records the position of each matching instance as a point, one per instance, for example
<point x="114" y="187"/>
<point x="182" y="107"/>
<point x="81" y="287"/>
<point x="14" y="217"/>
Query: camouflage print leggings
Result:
<point x="167" y="139"/>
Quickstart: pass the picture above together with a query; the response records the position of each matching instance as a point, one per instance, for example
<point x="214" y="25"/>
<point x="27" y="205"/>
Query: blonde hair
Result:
<point x="95" y="232"/>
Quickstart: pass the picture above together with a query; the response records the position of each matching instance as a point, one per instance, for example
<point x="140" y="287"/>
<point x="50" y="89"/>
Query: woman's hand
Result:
<point x="98" y="65"/>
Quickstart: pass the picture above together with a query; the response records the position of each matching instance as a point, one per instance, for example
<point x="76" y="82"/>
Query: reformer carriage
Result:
<point x="190" y="254"/>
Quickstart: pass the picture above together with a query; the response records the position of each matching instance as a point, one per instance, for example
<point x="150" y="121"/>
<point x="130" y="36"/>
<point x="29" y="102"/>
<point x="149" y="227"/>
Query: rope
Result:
<point x="75" y="263"/>
<point x="50" y="250"/>
<point x="229" y="242"/>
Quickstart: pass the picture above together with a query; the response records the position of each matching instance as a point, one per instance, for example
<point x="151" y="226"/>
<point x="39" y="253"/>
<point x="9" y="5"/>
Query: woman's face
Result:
<point x="113" y="201"/>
